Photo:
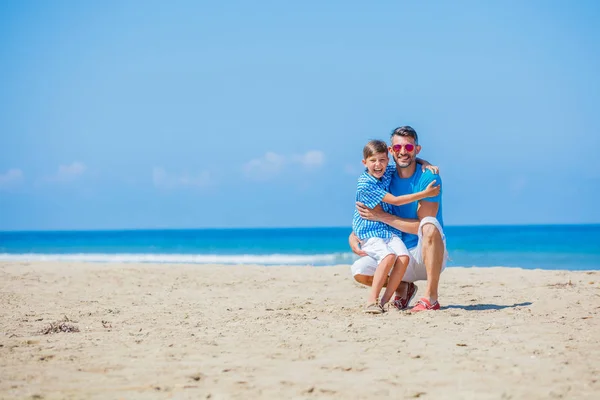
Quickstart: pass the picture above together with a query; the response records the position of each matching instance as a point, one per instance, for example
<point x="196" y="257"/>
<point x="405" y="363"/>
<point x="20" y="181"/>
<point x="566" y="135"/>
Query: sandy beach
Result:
<point x="220" y="332"/>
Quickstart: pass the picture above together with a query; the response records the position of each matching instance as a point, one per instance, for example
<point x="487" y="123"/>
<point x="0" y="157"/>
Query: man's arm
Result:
<point x="377" y="214"/>
<point x="427" y="209"/>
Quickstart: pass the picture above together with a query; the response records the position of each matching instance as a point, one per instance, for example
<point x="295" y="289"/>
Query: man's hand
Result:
<point x="355" y="245"/>
<point x="375" y="214"/>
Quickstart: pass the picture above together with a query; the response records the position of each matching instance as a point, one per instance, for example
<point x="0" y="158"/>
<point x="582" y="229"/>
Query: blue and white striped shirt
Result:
<point x="370" y="191"/>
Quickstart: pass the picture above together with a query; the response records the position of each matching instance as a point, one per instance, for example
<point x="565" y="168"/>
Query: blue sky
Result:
<point x="190" y="114"/>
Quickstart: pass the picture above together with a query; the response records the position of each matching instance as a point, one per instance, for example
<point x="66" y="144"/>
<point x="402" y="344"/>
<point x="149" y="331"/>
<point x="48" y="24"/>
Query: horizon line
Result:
<point x="283" y="227"/>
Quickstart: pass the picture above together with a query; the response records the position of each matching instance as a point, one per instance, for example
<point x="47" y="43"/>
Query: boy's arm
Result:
<point x="427" y="165"/>
<point x="429" y="191"/>
<point x="402" y="200"/>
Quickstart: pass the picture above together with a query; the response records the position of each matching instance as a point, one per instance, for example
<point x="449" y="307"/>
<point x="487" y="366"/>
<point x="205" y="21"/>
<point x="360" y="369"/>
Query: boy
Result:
<point x="379" y="240"/>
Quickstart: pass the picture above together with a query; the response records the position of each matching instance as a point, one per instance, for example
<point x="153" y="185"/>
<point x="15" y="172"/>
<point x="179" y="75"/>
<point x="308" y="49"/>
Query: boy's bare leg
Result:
<point x="395" y="278"/>
<point x="380" y="277"/>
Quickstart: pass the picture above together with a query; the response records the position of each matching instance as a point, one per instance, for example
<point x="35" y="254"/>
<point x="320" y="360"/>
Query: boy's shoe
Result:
<point x="402" y="303"/>
<point x="373" y="308"/>
<point x="423" y="305"/>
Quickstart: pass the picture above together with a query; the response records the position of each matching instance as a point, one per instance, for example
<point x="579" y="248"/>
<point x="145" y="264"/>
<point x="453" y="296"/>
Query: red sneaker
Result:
<point x="402" y="303"/>
<point x="423" y="304"/>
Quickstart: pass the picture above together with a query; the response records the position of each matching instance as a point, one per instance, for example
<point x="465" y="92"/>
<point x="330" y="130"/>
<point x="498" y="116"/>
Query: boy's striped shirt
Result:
<point x="370" y="191"/>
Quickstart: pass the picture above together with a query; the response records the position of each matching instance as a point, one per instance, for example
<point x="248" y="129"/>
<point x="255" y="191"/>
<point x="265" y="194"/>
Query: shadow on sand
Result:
<point x="482" y="307"/>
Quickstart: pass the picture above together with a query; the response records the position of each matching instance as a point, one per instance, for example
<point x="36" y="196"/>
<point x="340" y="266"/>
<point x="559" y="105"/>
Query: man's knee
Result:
<point x="363" y="279"/>
<point x="431" y="234"/>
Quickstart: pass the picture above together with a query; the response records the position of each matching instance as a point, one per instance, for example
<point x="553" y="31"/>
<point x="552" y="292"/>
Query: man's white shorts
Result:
<point x="416" y="267"/>
<point x="379" y="248"/>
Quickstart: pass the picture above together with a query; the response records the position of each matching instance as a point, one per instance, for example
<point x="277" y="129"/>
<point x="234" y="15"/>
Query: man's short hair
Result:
<point x="405" y="131"/>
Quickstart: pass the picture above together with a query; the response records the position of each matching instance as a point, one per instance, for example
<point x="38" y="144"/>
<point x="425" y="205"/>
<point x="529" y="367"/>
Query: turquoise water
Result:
<point x="573" y="247"/>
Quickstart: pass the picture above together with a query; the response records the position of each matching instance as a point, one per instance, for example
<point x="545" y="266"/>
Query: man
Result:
<point x="421" y="223"/>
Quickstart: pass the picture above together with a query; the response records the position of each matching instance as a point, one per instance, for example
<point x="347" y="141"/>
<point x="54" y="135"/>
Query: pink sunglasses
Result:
<point x="397" y="148"/>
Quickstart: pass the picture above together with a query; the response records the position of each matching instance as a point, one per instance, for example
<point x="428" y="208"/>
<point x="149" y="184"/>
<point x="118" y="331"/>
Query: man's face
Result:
<point x="404" y="150"/>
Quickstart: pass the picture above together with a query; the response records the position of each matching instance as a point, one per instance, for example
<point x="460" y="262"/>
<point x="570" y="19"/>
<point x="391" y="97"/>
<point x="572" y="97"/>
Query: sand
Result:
<point x="189" y="332"/>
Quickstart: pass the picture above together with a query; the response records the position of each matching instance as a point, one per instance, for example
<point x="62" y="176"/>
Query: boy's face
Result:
<point x="376" y="164"/>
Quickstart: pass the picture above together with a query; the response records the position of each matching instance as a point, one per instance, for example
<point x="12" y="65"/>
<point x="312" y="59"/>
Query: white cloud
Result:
<point x="265" y="167"/>
<point x="67" y="173"/>
<point x="310" y="159"/>
<point x="272" y="164"/>
<point x="11" y="177"/>
<point x="162" y="179"/>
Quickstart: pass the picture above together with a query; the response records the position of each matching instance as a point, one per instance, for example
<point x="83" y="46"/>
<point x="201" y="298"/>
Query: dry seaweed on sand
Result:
<point x="63" y="325"/>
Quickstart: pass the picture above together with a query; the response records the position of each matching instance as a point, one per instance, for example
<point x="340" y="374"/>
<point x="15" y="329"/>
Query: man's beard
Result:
<point x="405" y="164"/>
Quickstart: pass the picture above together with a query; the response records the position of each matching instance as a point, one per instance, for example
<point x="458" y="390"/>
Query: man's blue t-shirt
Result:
<point x="416" y="183"/>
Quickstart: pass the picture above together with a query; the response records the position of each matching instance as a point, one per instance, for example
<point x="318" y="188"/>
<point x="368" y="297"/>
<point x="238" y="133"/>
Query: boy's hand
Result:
<point x="434" y="169"/>
<point x="432" y="191"/>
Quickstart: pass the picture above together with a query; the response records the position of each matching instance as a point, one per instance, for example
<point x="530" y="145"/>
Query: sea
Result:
<point x="555" y="247"/>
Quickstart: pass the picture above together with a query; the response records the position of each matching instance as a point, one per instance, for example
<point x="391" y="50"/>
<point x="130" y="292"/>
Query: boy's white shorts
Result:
<point x="379" y="248"/>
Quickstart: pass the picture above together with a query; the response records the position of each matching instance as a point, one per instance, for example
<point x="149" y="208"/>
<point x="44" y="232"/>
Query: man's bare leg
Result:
<point x="366" y="280"/>
<point x="433" y="257"/>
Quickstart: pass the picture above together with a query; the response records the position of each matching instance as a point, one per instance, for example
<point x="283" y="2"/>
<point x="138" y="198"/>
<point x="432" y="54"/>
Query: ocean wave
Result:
<point x="263" y="259"/>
